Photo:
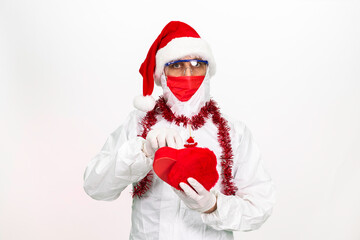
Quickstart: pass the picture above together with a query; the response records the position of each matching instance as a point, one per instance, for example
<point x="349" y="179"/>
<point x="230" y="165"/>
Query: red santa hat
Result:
<point x="175" y="41"/>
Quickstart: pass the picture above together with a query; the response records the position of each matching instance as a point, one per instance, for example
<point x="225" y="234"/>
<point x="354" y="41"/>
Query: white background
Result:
<point x="69" y="71"/>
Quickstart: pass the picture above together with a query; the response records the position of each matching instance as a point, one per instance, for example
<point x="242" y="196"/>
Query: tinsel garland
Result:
<point x="196" y="121"/>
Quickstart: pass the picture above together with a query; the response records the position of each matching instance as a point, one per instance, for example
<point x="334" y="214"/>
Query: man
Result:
<point x="243" y="197"/>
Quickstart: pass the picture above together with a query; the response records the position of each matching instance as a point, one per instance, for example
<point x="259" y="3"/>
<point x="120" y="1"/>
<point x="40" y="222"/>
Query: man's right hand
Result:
<point x="162" y="137"/>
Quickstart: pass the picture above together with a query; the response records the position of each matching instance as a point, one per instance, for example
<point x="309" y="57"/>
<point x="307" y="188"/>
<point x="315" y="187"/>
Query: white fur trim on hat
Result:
<point x="144" y="103"/>
<point x="181" y="47"/>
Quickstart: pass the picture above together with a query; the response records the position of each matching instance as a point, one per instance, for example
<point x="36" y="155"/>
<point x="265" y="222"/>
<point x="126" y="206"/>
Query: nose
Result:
<point x="187" y="71"/>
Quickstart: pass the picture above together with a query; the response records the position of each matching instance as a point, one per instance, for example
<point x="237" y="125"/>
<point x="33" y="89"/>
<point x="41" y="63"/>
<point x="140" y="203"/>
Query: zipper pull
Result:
<point x="190" y="142"/>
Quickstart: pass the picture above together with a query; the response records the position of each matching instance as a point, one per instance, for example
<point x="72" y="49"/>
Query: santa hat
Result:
<point x="175" y="41"/>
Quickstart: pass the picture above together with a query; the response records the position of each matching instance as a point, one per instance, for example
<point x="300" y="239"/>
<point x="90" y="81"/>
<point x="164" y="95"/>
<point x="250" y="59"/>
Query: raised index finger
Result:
<point x="188" y="190"/>
<point x="196" y="185"/>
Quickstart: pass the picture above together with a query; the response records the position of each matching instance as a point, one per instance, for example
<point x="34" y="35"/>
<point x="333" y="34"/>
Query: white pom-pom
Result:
<point x="144" y="103"/>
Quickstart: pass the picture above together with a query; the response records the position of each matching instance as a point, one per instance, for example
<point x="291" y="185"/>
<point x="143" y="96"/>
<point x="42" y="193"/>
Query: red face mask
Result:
<point x="184" y="87"/>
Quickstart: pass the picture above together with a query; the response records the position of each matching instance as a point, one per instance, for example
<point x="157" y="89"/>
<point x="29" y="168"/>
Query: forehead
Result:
<point x="187" y="57"/>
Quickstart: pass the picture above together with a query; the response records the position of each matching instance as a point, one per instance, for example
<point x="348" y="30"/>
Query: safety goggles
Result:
<point x="178" y="68"/>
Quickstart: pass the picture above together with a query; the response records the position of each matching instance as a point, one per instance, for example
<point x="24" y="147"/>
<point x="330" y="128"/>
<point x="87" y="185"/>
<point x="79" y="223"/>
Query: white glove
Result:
<point x="161" y="137"/>
<point x="200" y="200"/>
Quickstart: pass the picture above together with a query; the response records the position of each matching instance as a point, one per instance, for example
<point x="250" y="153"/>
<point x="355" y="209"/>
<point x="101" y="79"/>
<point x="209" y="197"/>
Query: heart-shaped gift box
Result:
<point x="177" y="165"/>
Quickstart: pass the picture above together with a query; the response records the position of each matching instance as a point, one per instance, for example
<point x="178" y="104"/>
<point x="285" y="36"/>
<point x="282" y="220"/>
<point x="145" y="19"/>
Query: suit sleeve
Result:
<point x="253" y="203"/>
<point x="120" y="162"/>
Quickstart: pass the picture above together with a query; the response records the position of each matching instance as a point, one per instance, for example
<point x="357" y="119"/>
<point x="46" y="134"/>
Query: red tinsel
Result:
<point x="196" y="121"/>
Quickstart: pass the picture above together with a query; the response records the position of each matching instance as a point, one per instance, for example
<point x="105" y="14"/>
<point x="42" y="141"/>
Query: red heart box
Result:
<point x="177" y="165"/>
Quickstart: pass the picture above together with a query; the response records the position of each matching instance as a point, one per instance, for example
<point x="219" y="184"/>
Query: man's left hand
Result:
<point x="200" y="200"/>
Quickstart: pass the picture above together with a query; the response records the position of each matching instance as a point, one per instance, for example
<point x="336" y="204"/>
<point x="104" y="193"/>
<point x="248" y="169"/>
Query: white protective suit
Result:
<point x="159" y="213"/>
